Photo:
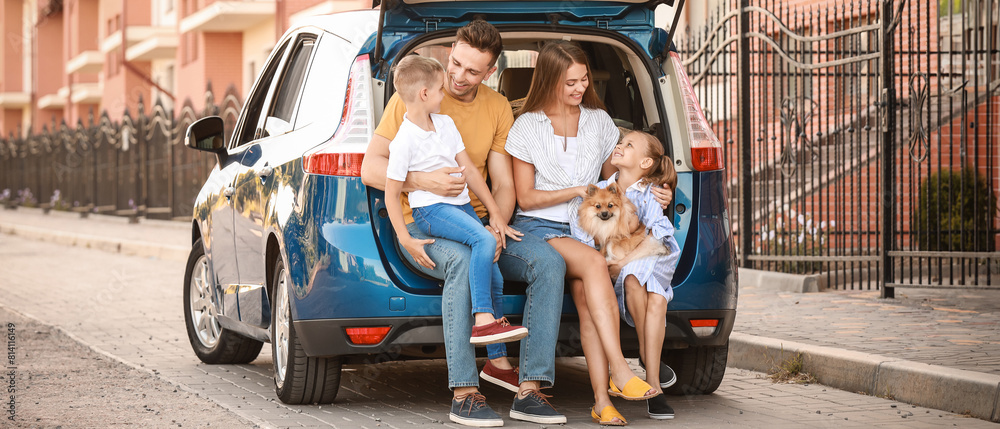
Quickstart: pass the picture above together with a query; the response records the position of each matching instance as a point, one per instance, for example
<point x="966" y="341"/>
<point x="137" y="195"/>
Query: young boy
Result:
<point x="427" y="141"/>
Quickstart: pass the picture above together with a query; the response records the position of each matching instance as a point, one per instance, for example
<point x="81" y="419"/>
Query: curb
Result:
<point x="933" y="386"/>
<point x="781" y="282"/>
<point x="125" y="247"/>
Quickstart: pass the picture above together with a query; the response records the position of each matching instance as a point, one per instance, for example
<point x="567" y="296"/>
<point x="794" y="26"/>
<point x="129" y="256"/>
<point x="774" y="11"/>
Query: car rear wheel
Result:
<point x="298" y="379"/>
<point x="699" y="369"/>
<point x="211" y="343"/>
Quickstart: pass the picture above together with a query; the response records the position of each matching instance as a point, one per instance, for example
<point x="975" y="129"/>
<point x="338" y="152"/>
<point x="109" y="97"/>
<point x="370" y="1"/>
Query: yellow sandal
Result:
<point x="635" y="390"/>
<point x="607" y="416"/>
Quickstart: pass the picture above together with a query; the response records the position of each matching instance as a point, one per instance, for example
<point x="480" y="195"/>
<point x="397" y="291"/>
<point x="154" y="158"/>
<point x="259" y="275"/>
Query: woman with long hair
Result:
<point x="561" y="142"/>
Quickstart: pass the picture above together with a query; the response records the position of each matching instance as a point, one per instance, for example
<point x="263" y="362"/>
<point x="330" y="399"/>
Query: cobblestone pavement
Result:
<point x="953" y="328"/>
<point x="129" y="308"/>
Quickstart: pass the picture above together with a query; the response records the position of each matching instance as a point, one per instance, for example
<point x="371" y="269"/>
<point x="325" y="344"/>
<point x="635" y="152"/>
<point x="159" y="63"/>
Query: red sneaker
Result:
<point x="500" y="331"/>
<point x="505" y="378"/>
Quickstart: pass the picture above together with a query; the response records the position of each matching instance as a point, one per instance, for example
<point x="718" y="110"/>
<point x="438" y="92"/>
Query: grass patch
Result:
<point x="790" y="371"/>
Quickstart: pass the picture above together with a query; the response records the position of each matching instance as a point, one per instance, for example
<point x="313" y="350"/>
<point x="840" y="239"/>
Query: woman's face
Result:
<point x="574" y="85"/>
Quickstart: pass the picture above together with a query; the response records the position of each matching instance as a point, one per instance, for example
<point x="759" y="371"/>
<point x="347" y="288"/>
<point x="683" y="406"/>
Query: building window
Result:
<point x="113" y="63"/>
<point x="190" y="41"/>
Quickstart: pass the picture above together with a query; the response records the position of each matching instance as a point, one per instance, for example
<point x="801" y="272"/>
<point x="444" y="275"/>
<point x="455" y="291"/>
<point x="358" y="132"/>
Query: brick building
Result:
<point x="63" y="59"/>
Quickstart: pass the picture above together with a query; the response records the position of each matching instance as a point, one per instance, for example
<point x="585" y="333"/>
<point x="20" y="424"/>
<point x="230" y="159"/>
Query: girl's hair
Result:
<point x="662" y="173"/>
<point x="550" y="70"/>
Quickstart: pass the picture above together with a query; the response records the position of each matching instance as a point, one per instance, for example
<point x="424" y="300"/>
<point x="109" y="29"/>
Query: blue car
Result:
<point x="290" y="248"/>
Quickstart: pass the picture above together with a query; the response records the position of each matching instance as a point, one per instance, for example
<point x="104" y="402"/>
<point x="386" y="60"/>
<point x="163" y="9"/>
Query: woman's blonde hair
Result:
<point x="550" y="70"/>
<point x="662" y="173"/>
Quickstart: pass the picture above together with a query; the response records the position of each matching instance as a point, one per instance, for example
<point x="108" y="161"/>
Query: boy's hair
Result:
<point x="414" y="73"/>
<point x="483" y="36"/>
<point x="662" y="173"/>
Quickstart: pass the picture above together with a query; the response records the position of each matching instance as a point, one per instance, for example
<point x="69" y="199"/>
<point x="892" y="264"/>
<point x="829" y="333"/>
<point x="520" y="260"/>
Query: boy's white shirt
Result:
<point x="415" y="149"/>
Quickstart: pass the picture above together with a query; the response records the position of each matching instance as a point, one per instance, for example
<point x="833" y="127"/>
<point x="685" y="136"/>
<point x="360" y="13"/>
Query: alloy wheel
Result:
<point x="203" y="313"/>
<point x="281" y="327"/>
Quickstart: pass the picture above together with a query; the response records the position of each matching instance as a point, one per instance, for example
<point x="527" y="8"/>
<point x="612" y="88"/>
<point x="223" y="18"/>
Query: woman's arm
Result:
<point x="607" y="169"/>
<point x="529" y="198"/>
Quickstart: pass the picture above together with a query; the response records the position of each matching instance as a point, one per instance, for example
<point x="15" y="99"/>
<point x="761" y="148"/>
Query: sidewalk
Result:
<point x="933" y="348"/>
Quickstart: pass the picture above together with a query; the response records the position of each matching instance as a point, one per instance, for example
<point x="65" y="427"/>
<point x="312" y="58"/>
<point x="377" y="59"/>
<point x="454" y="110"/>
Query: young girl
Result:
<point x="643" y="286"/>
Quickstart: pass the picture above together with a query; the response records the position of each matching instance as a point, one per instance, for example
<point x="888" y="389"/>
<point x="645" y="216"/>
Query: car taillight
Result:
<point x="706" y="149"/>
<point x="367" y="336"/>
<point x="342" y="155"/>
<point x="704" y="327"/>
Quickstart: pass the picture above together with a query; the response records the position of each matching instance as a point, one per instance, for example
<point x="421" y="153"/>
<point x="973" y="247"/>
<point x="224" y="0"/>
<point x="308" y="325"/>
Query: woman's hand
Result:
<point x="662" y="196"/>
<point x="416" y="249"/>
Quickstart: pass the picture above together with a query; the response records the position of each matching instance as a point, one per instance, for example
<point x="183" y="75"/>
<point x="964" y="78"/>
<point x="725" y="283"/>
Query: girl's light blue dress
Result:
<point x="655" y="272"/>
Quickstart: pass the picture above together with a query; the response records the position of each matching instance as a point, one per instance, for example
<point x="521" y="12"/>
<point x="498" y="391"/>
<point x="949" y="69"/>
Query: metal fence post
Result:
<point x="743" y="107"/>
<point x="888" y="150"/>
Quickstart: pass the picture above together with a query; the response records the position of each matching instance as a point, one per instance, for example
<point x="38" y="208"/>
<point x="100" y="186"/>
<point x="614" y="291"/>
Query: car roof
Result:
<point x="355" y="26"/>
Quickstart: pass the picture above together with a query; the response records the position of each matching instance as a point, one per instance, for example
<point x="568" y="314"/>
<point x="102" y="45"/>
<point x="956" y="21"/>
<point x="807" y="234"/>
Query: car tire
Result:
<point x="211" y="343"/>
<point x="699" y="369"/>
<point x="298" y="379"/>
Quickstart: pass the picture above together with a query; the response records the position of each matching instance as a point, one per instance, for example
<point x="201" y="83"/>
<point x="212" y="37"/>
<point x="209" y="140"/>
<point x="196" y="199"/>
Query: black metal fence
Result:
<point x="134" y="167"/>
<point x="861" y="137"/>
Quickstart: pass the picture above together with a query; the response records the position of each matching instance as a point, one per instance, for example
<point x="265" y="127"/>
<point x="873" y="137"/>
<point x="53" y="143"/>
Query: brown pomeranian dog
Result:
<point x="609" y="217"/>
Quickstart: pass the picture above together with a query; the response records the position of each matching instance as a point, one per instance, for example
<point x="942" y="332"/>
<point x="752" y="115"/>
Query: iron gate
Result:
<point x="865" y="118"/>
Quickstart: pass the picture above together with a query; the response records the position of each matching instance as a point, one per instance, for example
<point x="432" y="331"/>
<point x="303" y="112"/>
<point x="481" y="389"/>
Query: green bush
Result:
<point x="955" y="212"/>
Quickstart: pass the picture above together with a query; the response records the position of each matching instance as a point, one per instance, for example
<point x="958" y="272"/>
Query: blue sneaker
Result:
<point x="535" y="408"/>
<point x="472" y="410"/>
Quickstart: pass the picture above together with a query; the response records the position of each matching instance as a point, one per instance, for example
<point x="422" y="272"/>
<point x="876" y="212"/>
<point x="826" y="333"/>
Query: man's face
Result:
<point x="467" y="68"/>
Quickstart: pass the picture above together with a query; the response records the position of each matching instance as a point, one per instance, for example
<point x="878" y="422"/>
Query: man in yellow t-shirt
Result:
<point x="483" y="118"/>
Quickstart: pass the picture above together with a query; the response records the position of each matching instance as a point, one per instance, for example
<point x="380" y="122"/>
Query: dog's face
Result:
<point x="602" y="204"/>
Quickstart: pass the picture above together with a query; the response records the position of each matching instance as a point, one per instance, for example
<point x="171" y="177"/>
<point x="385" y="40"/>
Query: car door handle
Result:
<point x="264" y="172"/>
<point x="228" y="192"/>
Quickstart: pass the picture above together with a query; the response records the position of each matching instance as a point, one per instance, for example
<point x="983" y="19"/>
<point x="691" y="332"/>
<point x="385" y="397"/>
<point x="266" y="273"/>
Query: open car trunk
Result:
<point x="624" y="76"/>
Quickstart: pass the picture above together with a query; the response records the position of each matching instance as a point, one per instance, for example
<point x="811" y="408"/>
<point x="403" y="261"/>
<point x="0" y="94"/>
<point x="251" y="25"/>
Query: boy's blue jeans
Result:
<point x="530" y="260"/>
<point x="460" y="223"/>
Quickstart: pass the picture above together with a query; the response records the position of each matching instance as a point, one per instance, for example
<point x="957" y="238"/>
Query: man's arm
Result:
<point x="376" y="161"/>
<point x="502" y="180"/>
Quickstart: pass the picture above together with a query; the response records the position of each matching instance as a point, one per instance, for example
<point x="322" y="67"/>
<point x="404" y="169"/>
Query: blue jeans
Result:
<point x="460" y="223"/>
<point x="530" y="260"/>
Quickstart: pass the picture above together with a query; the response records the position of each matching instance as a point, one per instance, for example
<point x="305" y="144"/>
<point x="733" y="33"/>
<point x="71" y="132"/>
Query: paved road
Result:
<point x="130" y="308"/>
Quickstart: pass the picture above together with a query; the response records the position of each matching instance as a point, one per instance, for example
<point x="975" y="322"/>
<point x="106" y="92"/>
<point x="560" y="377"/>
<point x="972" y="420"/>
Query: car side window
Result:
<point x="255" y="102"/>
<point x="279" y="121"/>
<point x="326" y="82"/>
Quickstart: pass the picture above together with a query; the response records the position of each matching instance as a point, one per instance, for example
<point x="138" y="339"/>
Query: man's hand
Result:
<point x="663" y="196"/>
<point x="501" y="231"/>
<point x="440" y="181"/>
<point x="416" y="249"/>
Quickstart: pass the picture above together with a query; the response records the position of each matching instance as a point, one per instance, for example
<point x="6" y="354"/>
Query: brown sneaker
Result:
<point x="497" y="332"/>
<point x="505" y="378"/>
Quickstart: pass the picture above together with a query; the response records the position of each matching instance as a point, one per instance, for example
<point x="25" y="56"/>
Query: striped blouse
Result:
<point x="532" y="139"/>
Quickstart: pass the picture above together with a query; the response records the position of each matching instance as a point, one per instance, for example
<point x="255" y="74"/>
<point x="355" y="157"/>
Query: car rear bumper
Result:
<point x="422" y="337"/>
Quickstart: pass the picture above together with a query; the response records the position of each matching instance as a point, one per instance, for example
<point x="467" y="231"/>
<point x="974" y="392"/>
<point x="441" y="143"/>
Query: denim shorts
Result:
<point x="544" y="228"/>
